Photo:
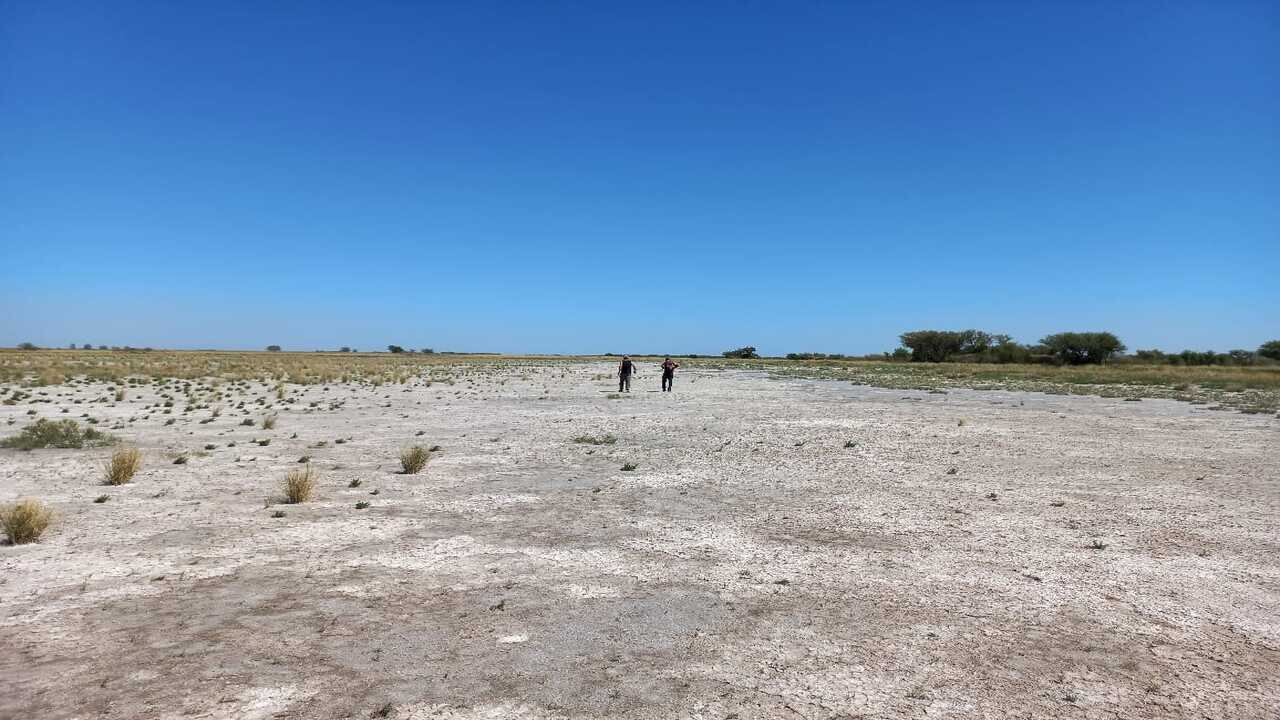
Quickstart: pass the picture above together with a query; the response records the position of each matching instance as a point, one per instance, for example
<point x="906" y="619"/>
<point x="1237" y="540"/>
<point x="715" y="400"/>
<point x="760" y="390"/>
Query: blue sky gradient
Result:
<point x="541" y="177"/>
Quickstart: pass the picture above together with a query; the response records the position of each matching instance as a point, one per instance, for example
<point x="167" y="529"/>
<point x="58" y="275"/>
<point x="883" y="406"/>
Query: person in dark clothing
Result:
<point x="668" y="373"/>
<point x="625" y="369"/>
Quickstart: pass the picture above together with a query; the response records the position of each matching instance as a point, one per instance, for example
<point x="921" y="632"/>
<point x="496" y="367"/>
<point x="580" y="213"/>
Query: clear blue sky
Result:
<point x="682" y="177"/>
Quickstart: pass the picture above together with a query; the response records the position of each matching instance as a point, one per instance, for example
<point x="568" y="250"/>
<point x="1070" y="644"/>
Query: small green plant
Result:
<point x="413" y="459"/>
<point x="595" y="439"/>
<point x="300" y="484"/>
<point x="629" y="467"/>
<point x="25" y="521"/>
<point x="122" y="466"/>
<point x="355" y="483"/>
<point x="1096" y="544"/>
<point x="263" y="443"/>
<point x="361" y="505"/>
<point x="277" y="514"/>
<point x="180" y="460"/>
<point x="247" y="422"/>
<point x="101" y="499"/>
<point x="850" y="444"/>
<point x="210" y="446"/>
<point x="45" y="433"/>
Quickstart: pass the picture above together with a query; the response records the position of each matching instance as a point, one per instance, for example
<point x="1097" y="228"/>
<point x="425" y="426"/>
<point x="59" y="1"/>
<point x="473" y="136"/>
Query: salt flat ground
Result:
<point x="783" y="548"/>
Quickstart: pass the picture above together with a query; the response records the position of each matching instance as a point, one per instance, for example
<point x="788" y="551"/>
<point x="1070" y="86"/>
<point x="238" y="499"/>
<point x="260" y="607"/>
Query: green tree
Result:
<point x="1087" y="348"/>
<point x="747" y="352"/>
<point x="1270" y="349"/>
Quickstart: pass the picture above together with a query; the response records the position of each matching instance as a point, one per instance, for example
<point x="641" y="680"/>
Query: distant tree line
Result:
<point x="1065" y="348"/>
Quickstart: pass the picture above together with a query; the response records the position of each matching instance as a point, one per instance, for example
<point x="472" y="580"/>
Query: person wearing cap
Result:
<point x="625" y="369"/>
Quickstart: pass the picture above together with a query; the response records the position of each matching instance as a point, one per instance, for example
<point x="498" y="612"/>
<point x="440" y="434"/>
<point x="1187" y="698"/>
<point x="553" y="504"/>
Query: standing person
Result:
<point x="625" y="368"/>
<point x="668" y="373"/>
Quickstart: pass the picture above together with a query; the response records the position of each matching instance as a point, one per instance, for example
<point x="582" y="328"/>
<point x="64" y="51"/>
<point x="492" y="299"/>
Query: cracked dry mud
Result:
<point x="784" y="548"/>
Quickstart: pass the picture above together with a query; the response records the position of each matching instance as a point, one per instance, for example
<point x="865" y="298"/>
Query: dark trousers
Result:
<point x="624" y="383"/>
<point x="667" y="379"/>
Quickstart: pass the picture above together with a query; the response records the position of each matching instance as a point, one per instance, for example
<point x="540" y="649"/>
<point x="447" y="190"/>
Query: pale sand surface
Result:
<point x="751" y="566"/>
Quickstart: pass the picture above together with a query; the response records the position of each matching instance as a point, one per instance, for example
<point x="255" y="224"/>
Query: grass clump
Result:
<point x="413" y="459"/>
<point x="269" y="422"/>
<point x="122" y="466"/>
<point x="25" y="521"/>
<point x="362" y="505"/>
<point x="44" y="433"/>
<point x="300" y="484"/>
<point x="629" y="467"/>
<point x="595" y="439"/>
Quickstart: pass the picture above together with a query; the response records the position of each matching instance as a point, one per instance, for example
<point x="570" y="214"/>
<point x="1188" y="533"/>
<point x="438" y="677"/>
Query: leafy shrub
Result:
<point x="45" y="433"/>
<point x="122" y="466"/>
<point x="413" y="459"/>
<point x="744" y="353"/>
<point x="1088" y="348"/>
<point x="269" y="422"/>
<point x="25" y="521"/>
<point x="942" y="345"/>
<point x="1270" y="349"/>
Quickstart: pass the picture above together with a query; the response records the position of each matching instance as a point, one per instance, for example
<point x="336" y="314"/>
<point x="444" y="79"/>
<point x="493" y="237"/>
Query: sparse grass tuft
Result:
<point x="122" y="466"/>
<point x="595" y="439"/>
<point x="355" y="483"/>
<point x="269" y="422"/>
<point x="25" y="521"/>
<point x="362" y="505"/>
<point x="300" y="484"/>
<point x="101" y="499"/>
<point x="45" y="433"/>
<point x="413" y="459"/>
<point x="629" y="467"/>
<point x="1096" y="544"/>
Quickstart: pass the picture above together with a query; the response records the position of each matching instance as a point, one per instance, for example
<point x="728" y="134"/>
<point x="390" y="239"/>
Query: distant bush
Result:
<point x="60" y="434"/>
<point x="395" y="349"/>
<point x="27" y="346"/>
<point x="1270" y="350"/>
<point x="300" y="484"/>
<point x="122" y="466"/>
<point x="817" y="356"/>
<point x="25" y="521"/>
<point x="943" y="345"/>
<point x="413" y="459"/>
<point x="745" y="353"/>
<point x="1087" y="348"/>
<point x="273" y="348"/>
